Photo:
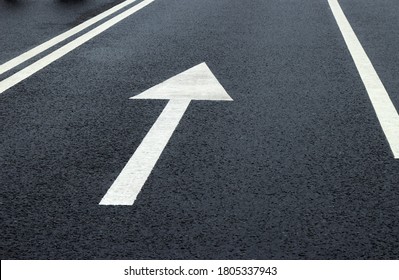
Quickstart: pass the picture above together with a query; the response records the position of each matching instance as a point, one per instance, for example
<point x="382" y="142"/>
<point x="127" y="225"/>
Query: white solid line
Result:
<point x="133" y="176"/>
<point x="385" y="110"/>
<point x="54" y="41"/>
<point x="41" y="63"/>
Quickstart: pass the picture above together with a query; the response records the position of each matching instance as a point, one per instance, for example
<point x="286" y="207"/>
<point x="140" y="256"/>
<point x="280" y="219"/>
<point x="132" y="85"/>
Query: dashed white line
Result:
<point x="41" y="63"/>
<point x="383" y="106"/>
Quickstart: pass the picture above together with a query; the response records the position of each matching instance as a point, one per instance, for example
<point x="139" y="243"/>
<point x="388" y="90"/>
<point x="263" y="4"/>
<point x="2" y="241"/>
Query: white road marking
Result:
<point x="133" y="176"/>
<point x="58" y="39"/>
<point x="41" y="63"/>
<point x="197" y="83"/>
<point x="385" y="110"/>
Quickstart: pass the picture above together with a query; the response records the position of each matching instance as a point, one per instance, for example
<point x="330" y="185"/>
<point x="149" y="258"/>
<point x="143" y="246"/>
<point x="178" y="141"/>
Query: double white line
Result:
<point x="43" y="62"/>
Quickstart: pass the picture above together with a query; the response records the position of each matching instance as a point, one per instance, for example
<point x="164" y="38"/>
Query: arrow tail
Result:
<point x="135" y="173"/>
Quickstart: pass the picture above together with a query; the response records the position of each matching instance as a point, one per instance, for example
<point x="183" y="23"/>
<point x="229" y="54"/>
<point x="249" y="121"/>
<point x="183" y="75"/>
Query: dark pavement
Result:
<point x="297" y="167"/>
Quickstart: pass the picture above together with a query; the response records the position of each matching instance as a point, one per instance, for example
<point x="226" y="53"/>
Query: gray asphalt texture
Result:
<point x="297" y="167"/>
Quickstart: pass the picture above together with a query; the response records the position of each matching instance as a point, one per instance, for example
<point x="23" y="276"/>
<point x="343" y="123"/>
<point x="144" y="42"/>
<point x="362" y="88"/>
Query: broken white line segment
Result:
<point x="197" y="83"/>
<point x="41" y="63"/>
<point x="385" y="110"/>
<point x="58" y="39"/>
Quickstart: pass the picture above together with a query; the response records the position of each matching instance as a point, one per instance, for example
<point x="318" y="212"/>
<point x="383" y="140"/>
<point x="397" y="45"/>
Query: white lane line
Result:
<point x="58" y="39"/>
<point x="385" y="110"/>
<point x="133" y="176"/>
<point x="41" y="63"/>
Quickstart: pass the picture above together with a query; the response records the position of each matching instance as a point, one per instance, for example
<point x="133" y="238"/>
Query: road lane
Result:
<point x="296" y="167"/>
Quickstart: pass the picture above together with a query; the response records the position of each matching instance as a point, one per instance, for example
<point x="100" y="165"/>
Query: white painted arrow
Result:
<point x="197" y="83"/>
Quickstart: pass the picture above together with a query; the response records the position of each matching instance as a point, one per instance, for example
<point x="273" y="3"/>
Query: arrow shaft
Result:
<point x="133" y="176"/>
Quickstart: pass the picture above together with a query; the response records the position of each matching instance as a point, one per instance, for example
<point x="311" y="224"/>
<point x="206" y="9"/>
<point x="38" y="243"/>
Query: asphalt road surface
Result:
<point x="296" y="167"/>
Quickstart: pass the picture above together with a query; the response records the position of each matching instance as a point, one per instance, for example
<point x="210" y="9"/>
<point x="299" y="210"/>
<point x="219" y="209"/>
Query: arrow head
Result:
<point x="196" y="83"/>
